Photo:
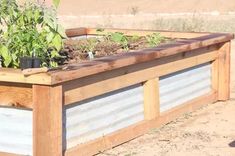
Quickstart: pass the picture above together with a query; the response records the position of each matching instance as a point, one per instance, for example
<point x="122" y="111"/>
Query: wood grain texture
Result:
<point x="224" y="72"/>
<point x="75" y="71"/>
<point x="215" y="75"/>
<point x="16" y="76"/>
<point x="151" y="99"/>
<point x="131" y="32"/>
<point x="47" y="120"/>
<point x="74" y="32"/>
<point x="79" y="70"/>
<point x="16" y="95"/>
<point x="98" y="84"/>
<point x="131" y="132"/>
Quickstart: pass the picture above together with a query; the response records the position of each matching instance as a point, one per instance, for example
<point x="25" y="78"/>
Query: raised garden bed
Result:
<point x="91" y="106"/>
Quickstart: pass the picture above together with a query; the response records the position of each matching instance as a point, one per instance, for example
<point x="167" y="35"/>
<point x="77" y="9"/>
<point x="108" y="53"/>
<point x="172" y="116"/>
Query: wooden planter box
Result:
<point x="96" y="105"/>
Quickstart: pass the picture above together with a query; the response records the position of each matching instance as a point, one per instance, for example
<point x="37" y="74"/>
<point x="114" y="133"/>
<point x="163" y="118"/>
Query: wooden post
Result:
<point x="151" y="99"/>
<point x="215" y="75"/>
<point x="47" y="120"/>
<point x="224" y="72"/>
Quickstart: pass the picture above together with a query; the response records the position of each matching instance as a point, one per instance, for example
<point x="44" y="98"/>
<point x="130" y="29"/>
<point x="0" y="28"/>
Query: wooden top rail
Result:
<point x="169" y="34"/>
<point x="75" y="71"/>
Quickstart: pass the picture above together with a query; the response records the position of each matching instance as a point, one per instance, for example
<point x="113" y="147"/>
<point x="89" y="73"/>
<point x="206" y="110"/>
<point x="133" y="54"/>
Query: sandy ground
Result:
<point x="100" y="7"/>
<point x="209" y="131"/>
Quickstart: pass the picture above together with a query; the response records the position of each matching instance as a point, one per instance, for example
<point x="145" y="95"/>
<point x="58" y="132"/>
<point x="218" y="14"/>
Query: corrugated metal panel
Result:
<point x="16" y="131"/>
<point x="183" y="86"/>
<point x="104" y="114"/>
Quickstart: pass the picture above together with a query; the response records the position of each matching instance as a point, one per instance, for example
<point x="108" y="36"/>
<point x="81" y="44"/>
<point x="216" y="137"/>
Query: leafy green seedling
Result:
<point x="154" y="39"/>
<point x="119" y="38"/>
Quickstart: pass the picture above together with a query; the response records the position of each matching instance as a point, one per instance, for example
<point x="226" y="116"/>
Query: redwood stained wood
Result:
<point x="131" y="32"/>
<point x="47" y="120"/>
<point x="101" y="83"/>
<point x="75" y="71"/>
<point x="16" y="76"/>
<point x="16" y="95"/>
<point x="151" y="99"/>
<point x="224" y="72"/>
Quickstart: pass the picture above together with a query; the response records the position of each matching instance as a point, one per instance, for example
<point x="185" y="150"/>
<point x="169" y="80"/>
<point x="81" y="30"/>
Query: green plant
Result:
<point x="88" y="45"/>
<point x="29" y="30"/>
<point x="119" y="38"/>
<point x="134" y="38"/>
<point x="154" y="39"/>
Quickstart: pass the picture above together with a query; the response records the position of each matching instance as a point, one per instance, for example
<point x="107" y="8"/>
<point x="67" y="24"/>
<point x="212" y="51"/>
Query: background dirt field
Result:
<point x="180" y="15"/>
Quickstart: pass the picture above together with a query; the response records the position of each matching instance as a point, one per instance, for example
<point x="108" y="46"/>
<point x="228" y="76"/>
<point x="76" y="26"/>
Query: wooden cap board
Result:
<point x="75" y="71"/>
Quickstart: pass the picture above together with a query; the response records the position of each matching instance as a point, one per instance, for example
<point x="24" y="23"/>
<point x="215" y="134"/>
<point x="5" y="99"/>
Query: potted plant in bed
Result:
<point x="30" y="36"/>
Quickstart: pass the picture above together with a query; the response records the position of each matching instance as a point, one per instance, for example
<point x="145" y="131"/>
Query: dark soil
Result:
<point x="76" y="50"/>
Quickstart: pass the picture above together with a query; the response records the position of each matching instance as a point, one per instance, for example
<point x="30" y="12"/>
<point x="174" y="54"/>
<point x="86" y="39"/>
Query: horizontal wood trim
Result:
<point x="76" y="32"/>
<point x="131" y="32"/>
<point x="169" y="34"/>
<point x="16" y="75"/>
<point x="75" y="71"/>
<point x="131" y="132"/>
<point x="16" y="95"/>
<point x="79" y="70"/>
<point x="94" y="85"/>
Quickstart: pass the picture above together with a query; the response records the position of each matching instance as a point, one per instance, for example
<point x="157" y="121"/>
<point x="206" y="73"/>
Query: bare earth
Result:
<point x="209" y="131"/>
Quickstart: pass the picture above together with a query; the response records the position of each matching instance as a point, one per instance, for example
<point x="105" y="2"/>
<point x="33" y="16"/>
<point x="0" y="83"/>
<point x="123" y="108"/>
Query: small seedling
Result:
<point x="154" y="39"/>
<point x="119" y="38"/>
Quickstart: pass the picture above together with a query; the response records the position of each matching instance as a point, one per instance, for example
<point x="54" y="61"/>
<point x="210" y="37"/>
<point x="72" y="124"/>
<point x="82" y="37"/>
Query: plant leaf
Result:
<point x="56" y="3"/>
<point x="56" y="42"/>
<point x="6" y="57"/>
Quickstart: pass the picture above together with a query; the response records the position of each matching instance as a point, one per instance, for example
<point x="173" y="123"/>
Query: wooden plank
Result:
<point x="215" y="74"/>
<point x="47" y="120"/>
<point x="17" y="95"/>
<point x="131" y="32"/>
<point x="76" y="32"/>
<point x="151" y="99"/>
<point x="75" y="71"/>
<point x="224" y="72"/>
<point x="98" y="84"/>
<point x="16" y="76"/>
<point x="131" y="132"/>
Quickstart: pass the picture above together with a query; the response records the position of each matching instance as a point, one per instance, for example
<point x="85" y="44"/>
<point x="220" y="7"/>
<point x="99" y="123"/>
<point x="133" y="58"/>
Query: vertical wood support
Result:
<point x="151" y="99"/>
<point x="47" y="120"/>
<point x="224" y="72"/>
<point x="215" y="75"/>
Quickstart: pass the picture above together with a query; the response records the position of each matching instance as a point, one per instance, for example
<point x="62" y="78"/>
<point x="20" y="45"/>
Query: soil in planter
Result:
<point x="76" y="50"/>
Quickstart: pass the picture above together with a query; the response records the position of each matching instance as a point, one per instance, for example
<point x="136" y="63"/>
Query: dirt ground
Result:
<point x="209" y="131"/>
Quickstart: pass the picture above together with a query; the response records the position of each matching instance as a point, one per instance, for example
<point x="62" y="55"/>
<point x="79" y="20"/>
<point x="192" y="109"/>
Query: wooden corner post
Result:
<point x="224" y="72"/>
<point x="47" y="120"/>
<point x="151" y="99"/>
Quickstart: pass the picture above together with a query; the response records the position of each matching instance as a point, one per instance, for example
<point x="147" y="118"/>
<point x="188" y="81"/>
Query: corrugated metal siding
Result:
<point x="16" y="131"/>
<point x="104" y="114"/>
<point x="180" y="87"/>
